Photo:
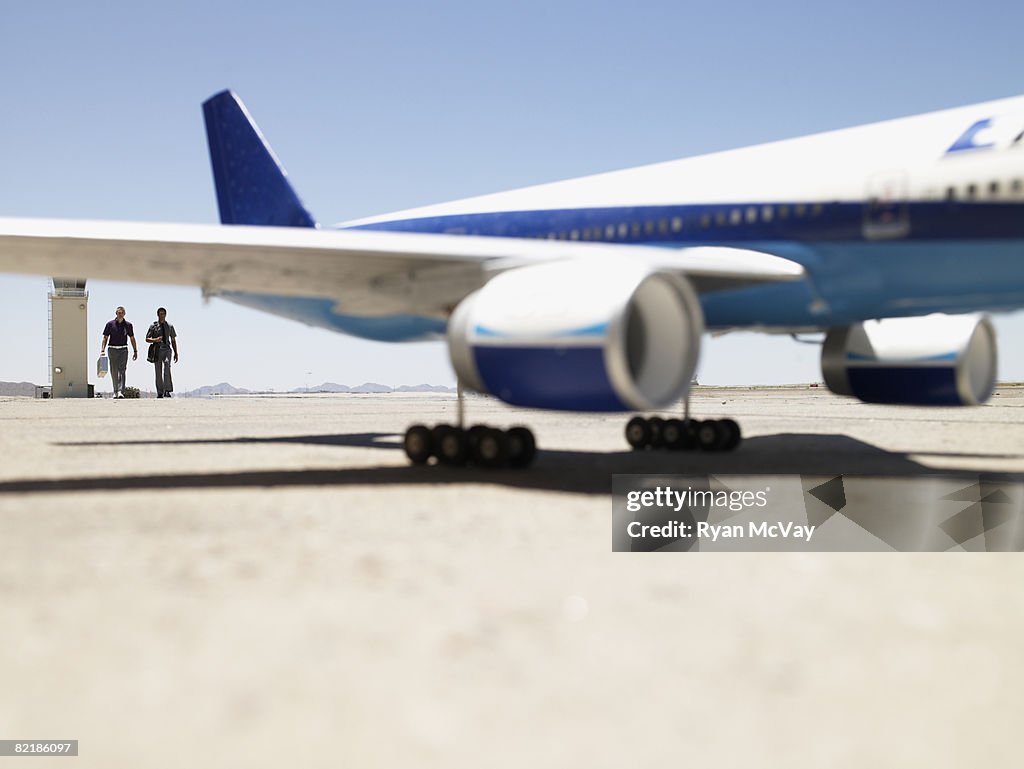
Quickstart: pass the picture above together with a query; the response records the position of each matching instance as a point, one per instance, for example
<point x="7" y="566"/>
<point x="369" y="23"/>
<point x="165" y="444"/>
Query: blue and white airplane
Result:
<point x="592" y="294"/>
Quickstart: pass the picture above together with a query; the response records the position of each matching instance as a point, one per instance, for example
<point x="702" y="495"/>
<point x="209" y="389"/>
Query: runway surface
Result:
<point x="264" y="581"/>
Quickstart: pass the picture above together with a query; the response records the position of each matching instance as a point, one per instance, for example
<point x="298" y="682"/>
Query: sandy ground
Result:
<point x="266" y="582"/>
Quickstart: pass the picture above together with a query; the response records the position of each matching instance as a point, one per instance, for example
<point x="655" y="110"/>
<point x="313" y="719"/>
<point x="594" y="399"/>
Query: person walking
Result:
<point x="163" y="337"/>
<point x="116" y="335"/>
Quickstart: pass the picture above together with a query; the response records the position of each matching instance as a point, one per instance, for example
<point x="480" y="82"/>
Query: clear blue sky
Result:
<point x="383" y="106"/>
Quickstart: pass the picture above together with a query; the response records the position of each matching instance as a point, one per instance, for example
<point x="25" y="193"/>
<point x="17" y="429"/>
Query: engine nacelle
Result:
<point x="580" y="336"/>
<point x="936" y="360"/>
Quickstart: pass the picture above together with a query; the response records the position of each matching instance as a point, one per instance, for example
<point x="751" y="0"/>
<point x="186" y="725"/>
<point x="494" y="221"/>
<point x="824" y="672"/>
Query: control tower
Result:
<point x="69" y="338"/>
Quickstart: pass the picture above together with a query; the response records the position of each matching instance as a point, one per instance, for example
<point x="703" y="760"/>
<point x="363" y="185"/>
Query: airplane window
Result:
<point x="735" y="216"/>
<point x="634" y="230"/>
<point x="609" y="232"/>
<point x="972" y="191"/>
<point x="623" y="229"/>
<point x="751" y="214"/>
<point x="766" y="213"/>
<point x="950" y="193"/>
<point x="649" y="227"/>
<point x="677" y="224"/>
<point x="705" y="221"/>
<point x="993" y="189"/>
<point x="720" y="218"/>
<point x="1015" y="186"/>
<point x="574" y="235"/>
<point x="663" y="227"/>
<point x="799" y="210"/>
<point x="783" y="212"/>
<point x="586" y="234"/>
<point x="818" y="208"/>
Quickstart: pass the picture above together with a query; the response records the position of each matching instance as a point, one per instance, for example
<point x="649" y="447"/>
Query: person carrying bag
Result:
<point x="163" y="340"/>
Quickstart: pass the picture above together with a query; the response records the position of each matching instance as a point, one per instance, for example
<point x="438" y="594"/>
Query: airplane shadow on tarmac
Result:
<point x="579" y="472"/>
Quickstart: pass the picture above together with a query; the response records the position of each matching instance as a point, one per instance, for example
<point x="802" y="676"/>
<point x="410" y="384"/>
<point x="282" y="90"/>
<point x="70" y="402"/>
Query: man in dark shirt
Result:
<point x="162" y="335"/>
<point x="116" y="335"/>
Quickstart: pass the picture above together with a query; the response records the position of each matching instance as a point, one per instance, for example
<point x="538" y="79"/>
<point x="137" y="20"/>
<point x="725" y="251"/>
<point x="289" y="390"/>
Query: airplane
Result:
<point x="894" y="239"/>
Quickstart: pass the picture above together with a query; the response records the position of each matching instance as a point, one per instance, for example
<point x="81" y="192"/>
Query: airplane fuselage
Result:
<point x="905" y="217"/>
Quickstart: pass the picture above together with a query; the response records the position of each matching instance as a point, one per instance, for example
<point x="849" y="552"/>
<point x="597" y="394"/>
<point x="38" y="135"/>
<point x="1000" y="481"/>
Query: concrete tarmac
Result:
<point x="265" y="581"/>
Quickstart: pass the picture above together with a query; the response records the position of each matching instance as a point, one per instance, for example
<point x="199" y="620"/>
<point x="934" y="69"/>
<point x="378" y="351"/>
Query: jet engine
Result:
<point x="580" y="336"/>
<point x="936" y="360"/>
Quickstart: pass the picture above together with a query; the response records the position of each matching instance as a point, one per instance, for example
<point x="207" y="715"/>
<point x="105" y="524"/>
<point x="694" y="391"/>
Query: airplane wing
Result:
<point x="368" y="272"/>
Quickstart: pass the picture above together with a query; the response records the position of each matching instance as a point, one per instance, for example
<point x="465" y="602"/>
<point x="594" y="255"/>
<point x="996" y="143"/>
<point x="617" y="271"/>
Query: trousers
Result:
<point x="118" y="367"/>
<point x="164" y="384"/>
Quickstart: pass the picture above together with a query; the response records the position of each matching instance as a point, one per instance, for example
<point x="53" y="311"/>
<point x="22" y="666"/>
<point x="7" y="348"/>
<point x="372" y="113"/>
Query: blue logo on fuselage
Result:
<point x="967" y="140"/>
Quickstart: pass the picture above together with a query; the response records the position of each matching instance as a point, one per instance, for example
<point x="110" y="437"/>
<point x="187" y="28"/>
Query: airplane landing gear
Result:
<point x="683" y="434"/>
<point x="484" y="446"/>
<point x="479" y="445"/>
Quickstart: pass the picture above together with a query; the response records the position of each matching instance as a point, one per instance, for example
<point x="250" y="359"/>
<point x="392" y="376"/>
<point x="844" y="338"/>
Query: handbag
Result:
<point x="151" y="355"/>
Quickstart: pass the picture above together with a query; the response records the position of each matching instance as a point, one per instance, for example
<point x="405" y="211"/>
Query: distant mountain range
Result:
<point x="218" y="389"/>
<point x="224" y="388"/>
<point x="374" y="387"/>
<point x="327" y="387"/>
<point x="17" y="388"/>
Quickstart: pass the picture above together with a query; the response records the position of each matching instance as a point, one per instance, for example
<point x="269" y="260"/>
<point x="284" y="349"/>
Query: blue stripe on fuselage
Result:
<point x="955" y="257"/>
<point x="714" y="224"/>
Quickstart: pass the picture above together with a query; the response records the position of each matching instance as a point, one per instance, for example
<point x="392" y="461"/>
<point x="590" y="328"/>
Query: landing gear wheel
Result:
<point x="437" y="431"/>
<point x="638" y="433"/>
<point x="491" y="448"/>
<point x="710" y="436"/>
<point x="473" y="436"/>
<point x="521" y="447"/>
<point x="451" y="445"/>
<point x="733" y="434"/>
<point x="657" y="426"/>
<point x="672" y="434"/>
<point x="689" y="440"/>
<point x="418" y="444"/>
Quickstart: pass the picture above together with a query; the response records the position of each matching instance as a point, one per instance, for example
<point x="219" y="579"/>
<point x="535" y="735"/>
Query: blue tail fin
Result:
<point x="252" y="188"/>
